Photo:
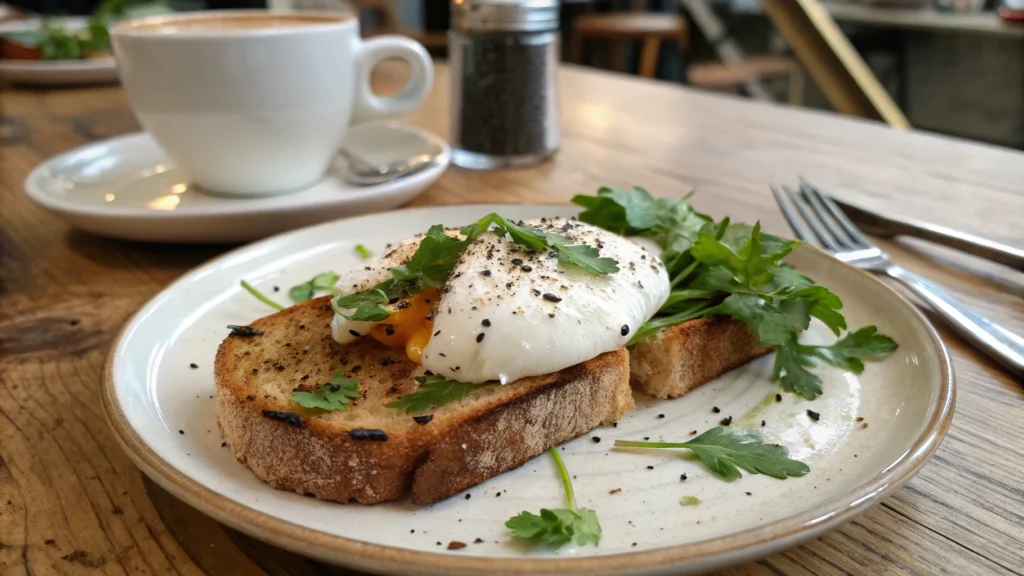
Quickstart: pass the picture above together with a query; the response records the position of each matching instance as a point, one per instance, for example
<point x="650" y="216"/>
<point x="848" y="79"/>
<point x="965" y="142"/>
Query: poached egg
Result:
<point x="506" y="312"/>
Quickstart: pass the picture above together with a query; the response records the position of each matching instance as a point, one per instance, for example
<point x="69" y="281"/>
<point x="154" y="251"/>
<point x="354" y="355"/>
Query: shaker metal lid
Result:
<point x="505" y="15"/>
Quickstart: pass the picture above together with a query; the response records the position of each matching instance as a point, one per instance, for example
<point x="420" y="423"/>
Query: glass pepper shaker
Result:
<point x="503" y="61"/>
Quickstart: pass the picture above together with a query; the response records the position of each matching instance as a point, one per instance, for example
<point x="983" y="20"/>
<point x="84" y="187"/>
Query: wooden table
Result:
<point x="71" y="502"/>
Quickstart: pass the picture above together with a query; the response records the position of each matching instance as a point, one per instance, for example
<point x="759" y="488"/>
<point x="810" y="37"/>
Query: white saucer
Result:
<point x="55" y="72"/>
<point x="128" y="188"/>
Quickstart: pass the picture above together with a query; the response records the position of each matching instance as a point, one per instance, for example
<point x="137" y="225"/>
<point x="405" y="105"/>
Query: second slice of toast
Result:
<point x="371" y="453"/>
<point x="683" y="357"/>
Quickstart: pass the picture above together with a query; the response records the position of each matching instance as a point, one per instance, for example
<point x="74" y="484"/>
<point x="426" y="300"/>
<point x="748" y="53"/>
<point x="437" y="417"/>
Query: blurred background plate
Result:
<point x="55" y="72"/>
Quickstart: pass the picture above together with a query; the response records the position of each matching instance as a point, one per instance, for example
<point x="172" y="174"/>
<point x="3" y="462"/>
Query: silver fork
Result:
<point x="816" y="219"/>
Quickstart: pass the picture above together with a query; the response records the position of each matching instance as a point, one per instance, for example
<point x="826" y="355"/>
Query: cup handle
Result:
<point x="369" y="106"/>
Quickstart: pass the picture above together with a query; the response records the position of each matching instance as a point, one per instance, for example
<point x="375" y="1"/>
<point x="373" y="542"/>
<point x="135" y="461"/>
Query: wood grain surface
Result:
<point x="71" y="502"/>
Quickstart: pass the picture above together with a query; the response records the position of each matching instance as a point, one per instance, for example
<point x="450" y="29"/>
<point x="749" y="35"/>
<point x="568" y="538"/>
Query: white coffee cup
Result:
<point x="254" y="102"/>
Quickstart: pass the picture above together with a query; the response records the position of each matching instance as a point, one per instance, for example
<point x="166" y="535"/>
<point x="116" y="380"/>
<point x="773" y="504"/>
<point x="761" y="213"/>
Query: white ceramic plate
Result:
<point x="55" y="72"/>
<point x="128" y="188"/>
<point x="151" y="393"/>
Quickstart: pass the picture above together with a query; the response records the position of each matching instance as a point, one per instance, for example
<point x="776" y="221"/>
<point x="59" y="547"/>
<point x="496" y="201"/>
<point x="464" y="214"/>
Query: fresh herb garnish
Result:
<point x="560" y="526"/>
<point x="363" y="306"/>
<point x="437" y="253"/>
<point x="586" y="258"/>
<point x="689" y="501"/>
<point x="725" y="452"/>
<point x="335" y="396"/>
<point x="428" y="268"/>
<point x="792" y="359"/>
<point x="58" y="44"/>
<point x="363" y="252"/>
<point x="305" y="291"/>
<point x="260" y="296"/>
<point x="731" y="269"/>
<point x="847" y="353"/>
<point x="434" y="391"/>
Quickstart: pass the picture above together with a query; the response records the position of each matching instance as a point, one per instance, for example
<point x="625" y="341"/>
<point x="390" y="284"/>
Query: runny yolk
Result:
<point x="409" y="326"/>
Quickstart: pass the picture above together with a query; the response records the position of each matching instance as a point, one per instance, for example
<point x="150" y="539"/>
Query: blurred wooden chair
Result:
<point x="387" y="21"/>
<point x="652" y="28"/>
<point x="648" y="28"/>
<point x="730" y="76"/>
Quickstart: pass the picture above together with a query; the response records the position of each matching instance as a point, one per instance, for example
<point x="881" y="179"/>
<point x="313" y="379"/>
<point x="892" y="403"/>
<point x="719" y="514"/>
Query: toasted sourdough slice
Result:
<point x="683" y="357"/>
<point x="443" y="451"/>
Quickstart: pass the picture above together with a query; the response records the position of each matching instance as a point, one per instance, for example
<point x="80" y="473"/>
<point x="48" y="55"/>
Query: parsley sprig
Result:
<point x="438" y="252"/>
<point x="560" y="526"/>
<point x="260" y="296"/>
<point x="323" y="281"/>
<point x="434" y="391"/>
<point x="334" y="396"/>
<point x="735" y="270"/>
<point x="584" y="257"/>
<point x="725" y="452"/>
<point x="428" y="268"/>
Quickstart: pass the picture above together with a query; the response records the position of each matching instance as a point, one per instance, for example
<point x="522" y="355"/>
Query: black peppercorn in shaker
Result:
<point x="503" y="57"/>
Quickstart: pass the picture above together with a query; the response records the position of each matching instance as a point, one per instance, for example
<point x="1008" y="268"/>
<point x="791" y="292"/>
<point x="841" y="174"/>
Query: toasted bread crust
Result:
<point x="255" y="374"/>
<point x="683" y="357"/>
<point x="514" y="433"/>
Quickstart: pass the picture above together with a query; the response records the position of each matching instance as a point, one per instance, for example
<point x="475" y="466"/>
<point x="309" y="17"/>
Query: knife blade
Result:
<point x="887" y="226"/>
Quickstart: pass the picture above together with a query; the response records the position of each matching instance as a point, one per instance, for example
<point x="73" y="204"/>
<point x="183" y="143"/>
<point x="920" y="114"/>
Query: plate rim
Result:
<point x="705" y="554"/>
<point x="49" y="202"/>
<point x="57" y="66"/>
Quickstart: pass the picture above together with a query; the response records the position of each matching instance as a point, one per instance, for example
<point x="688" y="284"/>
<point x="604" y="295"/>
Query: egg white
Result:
<point x="543" y="315"/>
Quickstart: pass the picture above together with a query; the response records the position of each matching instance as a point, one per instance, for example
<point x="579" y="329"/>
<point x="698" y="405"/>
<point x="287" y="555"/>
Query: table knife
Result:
<point x="887" y="226"/>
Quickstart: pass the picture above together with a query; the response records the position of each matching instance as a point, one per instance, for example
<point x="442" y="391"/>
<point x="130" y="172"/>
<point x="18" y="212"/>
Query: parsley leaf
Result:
<point x="428" y="267"/>
<point x="793" y="359"/>
<point x="586" y="258"/>
<point x="434" y="391"/>
<point x="734" y="270"/>
<point x="726" y="452"/>
<point x="847" y="353"/>
<point x="773" y="322"/>
<point x="671" y="222"/>
<point x="305" y="291"/>
<point x="363" y="306"/>
<point x="824" y="305"/>
<point x="791" y="371"/>
<point x="335" y="396"/>
<point x="430" y="264"/>
<point x="58" y="44"/>
<point x="98" y="39"/>
<point x="559" y="526"/>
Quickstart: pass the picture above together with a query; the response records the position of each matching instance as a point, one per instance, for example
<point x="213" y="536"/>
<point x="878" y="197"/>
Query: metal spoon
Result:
<point x="364" y="173"/>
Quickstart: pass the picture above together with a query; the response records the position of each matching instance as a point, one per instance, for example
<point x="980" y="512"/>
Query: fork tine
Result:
<point x="790" y="213"/>
<point x="814" y="200"/>
<point x="796" y="223"/>
<point x="849" y="227"/>
<point x="813" y="220"/>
